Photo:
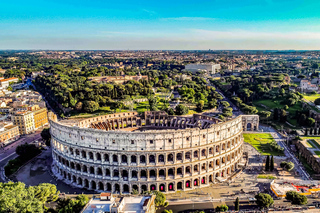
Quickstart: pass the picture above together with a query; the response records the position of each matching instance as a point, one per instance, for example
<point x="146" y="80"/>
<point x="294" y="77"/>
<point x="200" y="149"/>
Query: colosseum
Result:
<point x="123" y="152"/>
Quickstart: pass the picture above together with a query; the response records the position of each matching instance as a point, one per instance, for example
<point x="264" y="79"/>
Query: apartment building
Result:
<point x="25" y="121"/>
<point x="40" y="117"/>
<point x="8" y="132"/>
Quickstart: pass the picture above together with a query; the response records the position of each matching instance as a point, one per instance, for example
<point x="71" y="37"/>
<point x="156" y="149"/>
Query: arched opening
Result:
<point x="84" y="169"/>
<point x="196" y="154"/>
<point x="125" y="188"/>
<point x="77" y="152"/>
<point x="171" y="171"/>
<point x="99" y="171"/>
<point x="196" y="182"/>
<point x="217" y="148"/>
<point x="161" y="158"/>
<point x="211" y="151"/>
<point x="153" y="187"/>
<point x="179" y="156"/>
<point x="210" y="178"/>
<point x="91" y="170"/>
<point x="223" y="146"/>
<point x="228" y="171"/>
<point x="179" y="186"/>
<point x="143" y="174"/>
<point x="217" y="162"/>
<point x="195" y="168"/>
<point x="90" y="155"/>
<point x="107" y="172"/>
<point x="124" y="174"/>
<point x="179" y="171"/>
<point x="171" y="187"/>
<point x="109" y="189"/>
<point x="80" y="181"/>
<point x="170" y="157"/>
<point x="142" y="159"/>
<point x="188" y="170"/>
<point x="204" y="152"/>
<point x="203" y="180"/>
<point x="144" y="188"/>
<point x="98" y="156"/>
<point x="249" y="126"/>
<point x="100" y="186"/>
<point x="162" y="188"/>
<point x="210" y="164"/>
<point x="161" y="173"/>
<point x="188" y="155"/>
<point x="152" y="159"/>
<point x="217" y="174"/>
<point x="135" y="187"/>
<point x="84" y="154"/>
<point x="106" y="157"/>
<point x="86" y="183"/>
<point x="69" y="176"/>
<point x="116" y="188"/>
<point x="152" y="173"/>
<point x="115" y="158"/>
<point x="115" y="173"/>
<point x="124" y="159"/>
<point x="133" y="159"/>
<point x="228" y="145"/>
<point x="223" y="159"/>
<point x="188" y="184"/>
<point x="203" y="166"/>
<point x="72" y="165"/>
<point x="134" y="174"/>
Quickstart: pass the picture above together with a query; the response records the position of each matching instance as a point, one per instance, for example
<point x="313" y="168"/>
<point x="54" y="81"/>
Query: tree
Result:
<point x="200" y="106"/>
<point x="275" y="114"/>
<point x="317" y="101"/>
<point x="46" y="136"/>
<point x="296" y="198"/>
<point x="67" y="205"/>
<point x="264" y="200"/>
<point x="288" y="165"/>
<point x="181" y="109"/>
<point x="78" y="106"/>
<point x="222" y="208"/>
<point x="160" y="199"/>
<point x="91" y="106"/>
<point x="27" y="151"/>
<point x="272" y="164"/>
<point x="267" y="166"/>
<point x="311" y="121"/>
<point x="225" y="103"/>
<point x="237" y="204"/>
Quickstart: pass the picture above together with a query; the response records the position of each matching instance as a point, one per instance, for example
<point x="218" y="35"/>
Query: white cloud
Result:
<point x="188" y="19"/>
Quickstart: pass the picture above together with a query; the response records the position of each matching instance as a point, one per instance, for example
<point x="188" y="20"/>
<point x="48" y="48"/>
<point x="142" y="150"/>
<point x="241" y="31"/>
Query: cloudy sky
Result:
<point x="154" y="24"/>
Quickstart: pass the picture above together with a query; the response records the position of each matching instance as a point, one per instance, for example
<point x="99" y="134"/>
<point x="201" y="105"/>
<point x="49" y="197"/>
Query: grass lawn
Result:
<point x="260" y="141"/>
<point x="317" y="153"/>
<point x="141" y="107"/>
<point x="266" y="177"/>
<point x="311" y="97"/>
<point x="313" y="141"/>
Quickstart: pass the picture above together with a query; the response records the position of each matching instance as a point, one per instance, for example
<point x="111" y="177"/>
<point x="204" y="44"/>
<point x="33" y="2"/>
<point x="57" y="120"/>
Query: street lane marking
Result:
<point x="8" y="156"/>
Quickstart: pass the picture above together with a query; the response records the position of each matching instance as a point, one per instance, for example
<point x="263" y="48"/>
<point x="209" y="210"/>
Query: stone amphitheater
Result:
<point x="128" y="151"/>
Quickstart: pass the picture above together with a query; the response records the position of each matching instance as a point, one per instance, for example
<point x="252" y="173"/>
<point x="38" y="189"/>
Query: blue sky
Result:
<point x="175" y="24"/>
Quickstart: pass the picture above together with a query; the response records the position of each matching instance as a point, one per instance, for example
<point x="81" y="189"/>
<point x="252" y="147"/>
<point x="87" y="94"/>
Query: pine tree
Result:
<point x="267" y="163"/>
<point x="272" y="164"/>
<point x="237" y="204"/>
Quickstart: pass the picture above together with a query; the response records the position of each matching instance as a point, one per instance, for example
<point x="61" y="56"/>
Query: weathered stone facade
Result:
<point x="124" y="151"/>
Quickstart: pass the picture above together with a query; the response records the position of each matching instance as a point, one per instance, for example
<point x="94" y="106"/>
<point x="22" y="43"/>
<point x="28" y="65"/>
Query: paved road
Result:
<point x="281" y="141"/>
<point x="9" y="152"/>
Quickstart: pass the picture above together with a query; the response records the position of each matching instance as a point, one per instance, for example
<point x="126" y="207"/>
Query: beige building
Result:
<point x="6" y="82"/>
<point x="8" y="132"/>
<point x="40" y="117"/>
<point x="25" y="121"/>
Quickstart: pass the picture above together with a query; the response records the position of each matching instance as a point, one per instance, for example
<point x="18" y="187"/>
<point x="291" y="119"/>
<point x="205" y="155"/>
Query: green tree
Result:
<point x="181" y="109"/>
<point x="27" y="151"/>
<point x="79" y="106"/>
<point x="225" y="103"/>
<point x="272" y="164"/>
<point x="237" y="204"/>
<point x="264" y="201"/>
<point x="46" y="136"/>
<point x="296" y="198"/>
<point x="91" y="106"/>
<point x="222" y="208"/>
<point x="267" y="166"/>
<point x="317" y="101"/>
<point x="160" y="199"/>
<point x="200" y="106"/>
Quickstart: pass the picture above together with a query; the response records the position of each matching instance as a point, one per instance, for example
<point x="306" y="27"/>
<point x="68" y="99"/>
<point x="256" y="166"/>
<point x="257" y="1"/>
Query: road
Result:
<point x="281" y="141"/>
<point x="9" y="152"/>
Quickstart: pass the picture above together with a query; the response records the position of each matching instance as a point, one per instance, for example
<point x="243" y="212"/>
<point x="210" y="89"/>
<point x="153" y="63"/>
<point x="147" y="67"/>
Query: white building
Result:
<point x="306" y="86"/>
<point x="211" y="68"/>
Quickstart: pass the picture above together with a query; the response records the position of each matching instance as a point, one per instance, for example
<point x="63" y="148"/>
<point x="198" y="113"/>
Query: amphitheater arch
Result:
<point x="161" y="158"/>
<point x="133" y="159"/>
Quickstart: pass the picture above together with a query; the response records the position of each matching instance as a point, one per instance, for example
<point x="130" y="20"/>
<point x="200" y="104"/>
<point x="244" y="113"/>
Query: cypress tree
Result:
<point x="306" y="132"/>
<point x="272" y="164"/>
<point x="237" y="204"/>
<point x="268" y="163"/>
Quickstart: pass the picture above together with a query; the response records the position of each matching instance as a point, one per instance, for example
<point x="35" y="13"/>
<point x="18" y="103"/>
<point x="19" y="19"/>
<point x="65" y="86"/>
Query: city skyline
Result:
<point x="179" y="25"/>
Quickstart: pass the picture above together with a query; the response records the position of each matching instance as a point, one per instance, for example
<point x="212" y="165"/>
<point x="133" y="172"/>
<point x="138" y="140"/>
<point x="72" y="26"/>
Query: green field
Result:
<point x="311" y="97"/>
<point x="142" y="106"/>
<point x="260" y="141"/>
